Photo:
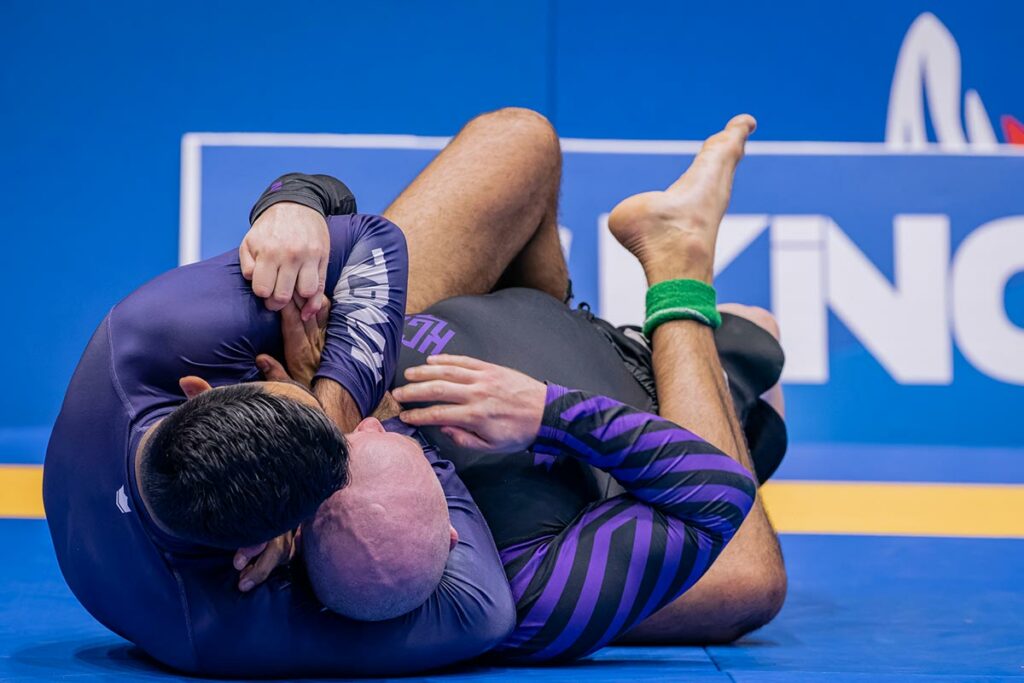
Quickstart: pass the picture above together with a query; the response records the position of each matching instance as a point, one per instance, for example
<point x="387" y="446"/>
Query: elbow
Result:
<point x="497" y="618"/>
<point x="753" y="602"/>
<point x="481" y="612"/>
<point x="723" y="607"/>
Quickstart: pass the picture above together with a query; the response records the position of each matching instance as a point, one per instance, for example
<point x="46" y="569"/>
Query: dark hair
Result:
<point x="238" y="466"/>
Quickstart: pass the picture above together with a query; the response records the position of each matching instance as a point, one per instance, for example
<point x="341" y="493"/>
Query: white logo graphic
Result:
<point x="928" y="72"/>
<point x="907" y="325"/>
<point x="362" y="292"/>
<point x="121" y="500"/>
<point x="935" y="297"/>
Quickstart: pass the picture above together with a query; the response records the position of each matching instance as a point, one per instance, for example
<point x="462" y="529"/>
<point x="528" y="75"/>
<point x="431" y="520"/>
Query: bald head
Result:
<point x="377" y="548"/>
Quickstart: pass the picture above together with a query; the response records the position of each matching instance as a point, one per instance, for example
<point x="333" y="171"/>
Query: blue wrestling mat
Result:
<point x="896" y="268"/>
<point x="859" y="609"/>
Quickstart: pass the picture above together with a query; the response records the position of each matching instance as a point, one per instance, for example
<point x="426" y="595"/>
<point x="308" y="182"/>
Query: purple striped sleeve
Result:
<point x="622" y="558"/>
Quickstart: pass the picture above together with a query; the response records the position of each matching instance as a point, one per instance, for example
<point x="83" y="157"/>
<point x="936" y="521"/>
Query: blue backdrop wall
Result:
<point x="96" y="99"/>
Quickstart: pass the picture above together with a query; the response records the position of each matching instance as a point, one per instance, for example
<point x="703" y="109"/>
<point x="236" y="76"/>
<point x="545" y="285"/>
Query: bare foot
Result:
<point x="673" y="232"/>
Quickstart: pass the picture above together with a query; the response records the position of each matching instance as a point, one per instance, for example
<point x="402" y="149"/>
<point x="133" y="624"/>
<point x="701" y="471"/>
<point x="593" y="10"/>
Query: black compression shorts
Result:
<point x="537" y="334"/>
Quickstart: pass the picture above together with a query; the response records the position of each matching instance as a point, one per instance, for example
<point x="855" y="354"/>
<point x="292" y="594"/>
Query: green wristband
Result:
<point x="681" y="300"/>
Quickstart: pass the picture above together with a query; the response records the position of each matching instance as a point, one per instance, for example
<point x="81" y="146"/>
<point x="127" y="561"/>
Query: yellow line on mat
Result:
<point x="802" y="507"/>
<point x="21" y="491"/>
<point x="896" y="509"/>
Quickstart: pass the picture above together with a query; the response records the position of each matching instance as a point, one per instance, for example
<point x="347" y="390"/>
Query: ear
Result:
<point x="193" y="386"/>
<point x="455" y="538"/>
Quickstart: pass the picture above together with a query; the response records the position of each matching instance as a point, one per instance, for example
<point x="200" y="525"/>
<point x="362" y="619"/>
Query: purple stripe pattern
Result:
<point x="622" y="558"/>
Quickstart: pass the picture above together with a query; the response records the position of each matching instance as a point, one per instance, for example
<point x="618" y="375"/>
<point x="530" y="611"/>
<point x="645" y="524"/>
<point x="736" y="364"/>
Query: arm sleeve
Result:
<point x="322" y="193"/>
<point x="200" y="319"/>
<point x="203" y="319"/>
<point x="366" y="278"/>
<point x="472" y="609"/>
<point x="622" y="558"/>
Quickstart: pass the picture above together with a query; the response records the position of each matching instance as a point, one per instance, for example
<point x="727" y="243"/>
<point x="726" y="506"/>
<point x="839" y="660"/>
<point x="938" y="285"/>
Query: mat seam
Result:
<point x="715" y="662"/>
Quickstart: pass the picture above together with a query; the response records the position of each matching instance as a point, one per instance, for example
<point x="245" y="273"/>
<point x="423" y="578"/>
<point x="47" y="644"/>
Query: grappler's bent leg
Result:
<point x="673" y="234"/>
<point x="484" y="212"/>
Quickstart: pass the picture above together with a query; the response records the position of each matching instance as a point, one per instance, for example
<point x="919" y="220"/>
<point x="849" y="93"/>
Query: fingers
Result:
<point x="460" y="361"/>
<point x="290" y="315"/>
<point x="284" y="287"/>
<point x="314" y="306"/>
<point x="310" y="325"/>
<point x="257" y="572"/>
<point x="246" y="260"/>
<point x="324" y="313"/>
<point x="313" y="279"/>
<point x="439" y="415"/>
<point x="264" y="276"/>
<point x="272" y="370"/>
<point x="464" y="438"/>
<point x="433" y="390"/>
<point x="321" y="269"/>
<point x="293" y="329"/>
<point x="307" y="281"/>
<point x="245" y="555"/>
<point x="451" y="373"/>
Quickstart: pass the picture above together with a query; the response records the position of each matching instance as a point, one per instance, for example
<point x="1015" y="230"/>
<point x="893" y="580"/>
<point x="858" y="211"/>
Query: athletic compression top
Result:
<point x="583" y="567"/>
<point x="178" y="601"/>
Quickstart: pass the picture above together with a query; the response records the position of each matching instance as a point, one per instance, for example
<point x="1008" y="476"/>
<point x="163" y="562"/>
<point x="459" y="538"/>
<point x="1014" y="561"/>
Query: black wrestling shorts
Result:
<point x="752" y="360"/>
<point x="543" y="337"/>
<point x="535" y="333"/>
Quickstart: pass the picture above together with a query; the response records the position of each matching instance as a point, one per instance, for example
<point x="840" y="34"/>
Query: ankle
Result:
<point x="681" y="259"/>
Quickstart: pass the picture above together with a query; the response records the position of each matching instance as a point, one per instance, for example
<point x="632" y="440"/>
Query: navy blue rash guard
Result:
<point x="178" y="601"/>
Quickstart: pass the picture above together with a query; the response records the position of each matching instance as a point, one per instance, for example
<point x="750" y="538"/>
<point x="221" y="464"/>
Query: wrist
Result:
<point x="295" y="207"/>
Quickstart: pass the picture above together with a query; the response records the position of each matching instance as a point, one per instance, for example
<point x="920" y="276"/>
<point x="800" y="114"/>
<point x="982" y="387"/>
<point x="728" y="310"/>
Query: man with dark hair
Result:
<point x="272" y="457"/>
<point x="170" y="453"/>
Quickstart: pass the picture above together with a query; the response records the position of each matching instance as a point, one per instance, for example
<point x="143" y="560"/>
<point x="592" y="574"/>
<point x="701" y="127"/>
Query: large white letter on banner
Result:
<point x="905" y="326"/>
<point x="798" y="295"/>
<point x="985" y="261"/>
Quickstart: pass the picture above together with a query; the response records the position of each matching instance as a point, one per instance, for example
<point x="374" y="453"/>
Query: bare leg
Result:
<point x="673" y="234"/>
<point x="484" y="211"/>
<point x="483" y="215"/>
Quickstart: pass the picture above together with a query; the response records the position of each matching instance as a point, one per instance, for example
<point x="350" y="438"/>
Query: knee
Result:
<point x="761" y="317"/>
<point x="520" y="119"/>
<point x="530" y="128"/>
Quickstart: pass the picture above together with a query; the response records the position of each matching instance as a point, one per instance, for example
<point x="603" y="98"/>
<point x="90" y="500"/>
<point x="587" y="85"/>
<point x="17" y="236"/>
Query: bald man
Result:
<point x="447" y="259"/>
<point x="379" y="546"/>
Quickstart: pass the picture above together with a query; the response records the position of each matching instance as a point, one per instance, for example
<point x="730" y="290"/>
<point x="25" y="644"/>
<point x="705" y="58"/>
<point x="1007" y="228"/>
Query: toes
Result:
<point x="744" y="123"/>
<point x="733" y="136"/>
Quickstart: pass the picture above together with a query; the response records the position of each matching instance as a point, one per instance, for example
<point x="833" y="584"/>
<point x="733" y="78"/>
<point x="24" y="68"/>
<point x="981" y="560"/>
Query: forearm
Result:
<point x="339" y="405"/>
<point x="658" y="462"/>
<point x="684" y="497"/>
<point x="367" y="281"/>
